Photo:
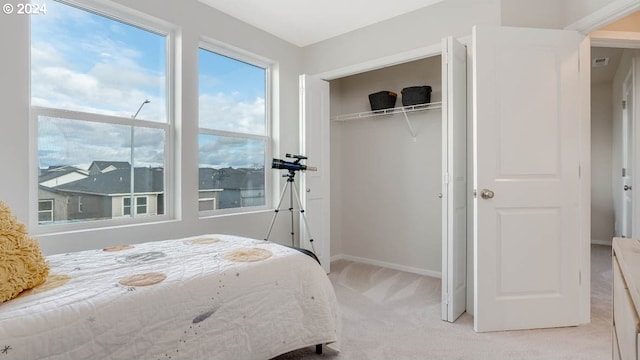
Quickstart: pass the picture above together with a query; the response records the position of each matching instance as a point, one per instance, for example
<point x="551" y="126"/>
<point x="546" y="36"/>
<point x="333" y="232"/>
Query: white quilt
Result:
<point x="201" y="298"/>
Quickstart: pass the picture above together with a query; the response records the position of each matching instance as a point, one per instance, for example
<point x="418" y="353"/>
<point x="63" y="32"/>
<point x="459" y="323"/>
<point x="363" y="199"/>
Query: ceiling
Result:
<point x="304" y="22"/>
<point x="600" y="74"/>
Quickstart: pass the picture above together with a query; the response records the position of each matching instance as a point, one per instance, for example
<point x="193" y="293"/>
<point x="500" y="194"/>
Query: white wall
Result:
<point x="421" y="28"/>
<point x="527" y="13"/>
<point x="192" y="20"/>
<point x="602" y="219"/>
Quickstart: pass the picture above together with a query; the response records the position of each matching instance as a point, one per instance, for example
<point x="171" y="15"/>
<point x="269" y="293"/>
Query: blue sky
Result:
<point x="85" y="62"/>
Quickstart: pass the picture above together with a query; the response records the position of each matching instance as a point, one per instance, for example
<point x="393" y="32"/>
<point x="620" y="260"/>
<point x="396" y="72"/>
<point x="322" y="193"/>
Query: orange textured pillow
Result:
<point x="22" y="264"/>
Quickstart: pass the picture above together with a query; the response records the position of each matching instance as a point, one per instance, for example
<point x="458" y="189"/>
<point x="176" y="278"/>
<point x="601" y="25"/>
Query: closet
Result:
<point x="386" y="169"/>
<point x="391" y="187"/>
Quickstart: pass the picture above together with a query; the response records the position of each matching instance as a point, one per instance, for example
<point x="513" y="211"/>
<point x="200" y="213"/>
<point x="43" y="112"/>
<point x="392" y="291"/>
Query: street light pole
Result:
<point x="140" y="108"/>
<point x="132" y="187"/>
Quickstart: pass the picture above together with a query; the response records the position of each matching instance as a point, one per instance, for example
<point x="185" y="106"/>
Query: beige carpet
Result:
<point x="389" y="314"/>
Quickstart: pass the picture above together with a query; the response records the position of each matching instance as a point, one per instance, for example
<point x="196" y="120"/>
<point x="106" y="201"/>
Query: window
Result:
<point x="141" y="205"/>
<point x="45" y="210"/>
<point x="126" y="206"/>
<point x="234" y="141"/>
<point x="207" y="204"/>
<point x="100" y="103"/>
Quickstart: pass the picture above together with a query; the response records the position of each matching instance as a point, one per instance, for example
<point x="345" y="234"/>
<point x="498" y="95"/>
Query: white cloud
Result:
<point x="78" y="63"/>
<point x="224" y="112"/>
<point x="78" y="143"/>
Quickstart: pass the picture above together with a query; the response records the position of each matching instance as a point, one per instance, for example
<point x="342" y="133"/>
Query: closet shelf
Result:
<point x="398" y="110"/>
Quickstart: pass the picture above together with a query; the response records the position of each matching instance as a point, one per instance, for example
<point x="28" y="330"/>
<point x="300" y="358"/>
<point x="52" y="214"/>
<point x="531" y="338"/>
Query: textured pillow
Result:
<point x="22" y="265"/>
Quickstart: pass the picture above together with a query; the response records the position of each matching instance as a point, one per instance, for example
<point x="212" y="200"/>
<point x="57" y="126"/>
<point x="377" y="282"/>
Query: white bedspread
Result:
<point x="207" y="307"/>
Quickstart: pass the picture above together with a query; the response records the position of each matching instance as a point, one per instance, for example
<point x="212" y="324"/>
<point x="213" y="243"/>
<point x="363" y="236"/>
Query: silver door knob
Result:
<point x="627" y="188"/>
<point x="487" y="194"/>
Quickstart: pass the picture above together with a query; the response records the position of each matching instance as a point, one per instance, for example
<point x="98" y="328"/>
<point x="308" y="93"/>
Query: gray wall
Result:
<point x="602" y="220"/>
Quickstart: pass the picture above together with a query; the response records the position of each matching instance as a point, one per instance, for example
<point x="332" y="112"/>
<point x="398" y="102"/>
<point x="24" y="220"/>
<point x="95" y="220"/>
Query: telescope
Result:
<point x="292" y="165"/>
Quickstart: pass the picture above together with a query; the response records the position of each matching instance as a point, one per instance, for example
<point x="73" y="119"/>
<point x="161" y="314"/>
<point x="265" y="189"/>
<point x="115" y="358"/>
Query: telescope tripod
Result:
<point x="292" y="191"/>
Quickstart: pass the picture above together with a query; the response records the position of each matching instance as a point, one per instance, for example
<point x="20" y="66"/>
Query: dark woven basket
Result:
<point x="414" y="95"/>
<point x="382" y="100"/>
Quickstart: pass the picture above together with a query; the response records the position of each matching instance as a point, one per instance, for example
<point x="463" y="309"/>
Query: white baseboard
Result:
<point x="409" y="269"/>
<point x="601" y="242"/>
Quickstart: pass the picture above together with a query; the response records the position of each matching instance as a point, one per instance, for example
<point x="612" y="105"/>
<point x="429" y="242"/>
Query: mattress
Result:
<point x="204" y="297"/>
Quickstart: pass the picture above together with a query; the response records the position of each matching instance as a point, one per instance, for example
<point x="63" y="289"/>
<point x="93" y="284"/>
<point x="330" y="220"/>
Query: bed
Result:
<point x="204" y="297"/>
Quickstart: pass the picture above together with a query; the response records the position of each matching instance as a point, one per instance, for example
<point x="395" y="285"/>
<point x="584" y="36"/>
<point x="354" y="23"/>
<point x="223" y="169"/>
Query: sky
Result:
<point x="85" y="62"/>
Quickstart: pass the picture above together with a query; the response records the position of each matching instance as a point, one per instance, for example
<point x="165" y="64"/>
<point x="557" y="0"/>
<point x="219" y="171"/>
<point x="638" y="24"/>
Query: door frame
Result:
<point x="630" y="156"/>
<point x="630" y="41"/>
<point x="589" y="26"/>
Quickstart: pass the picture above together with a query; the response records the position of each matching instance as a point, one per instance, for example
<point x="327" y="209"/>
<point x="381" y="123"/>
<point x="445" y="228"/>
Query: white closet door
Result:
<point x="628" y="147"/>
<point x="314" y="143"/>
<point x="454" y="188"/>
<point x="527" y="137"/>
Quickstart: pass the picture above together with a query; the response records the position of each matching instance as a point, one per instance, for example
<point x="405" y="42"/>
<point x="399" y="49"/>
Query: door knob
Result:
<point x="487" y="194"/>
<point x="627" y="188"/>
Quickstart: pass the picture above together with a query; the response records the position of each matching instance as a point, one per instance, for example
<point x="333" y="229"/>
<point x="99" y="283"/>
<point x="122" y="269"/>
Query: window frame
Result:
<point x="244" y="56"/>
<point x="147" y="23"/>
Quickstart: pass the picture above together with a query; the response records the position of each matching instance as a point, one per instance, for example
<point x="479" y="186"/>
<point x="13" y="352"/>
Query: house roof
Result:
<point x="53" y="172"/>
<point x="103" y="165"/>
<point x="146" y="180"/>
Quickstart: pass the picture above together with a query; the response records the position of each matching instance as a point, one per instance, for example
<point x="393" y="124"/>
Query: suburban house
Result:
<point x="230" y="188"/>
<point x="103" y="193"/>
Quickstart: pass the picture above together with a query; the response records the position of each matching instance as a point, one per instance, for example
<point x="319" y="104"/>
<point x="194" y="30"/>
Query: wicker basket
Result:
<point x="415" y="95"/>
<point x="382" y="100"/>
